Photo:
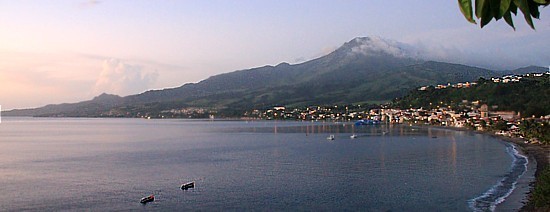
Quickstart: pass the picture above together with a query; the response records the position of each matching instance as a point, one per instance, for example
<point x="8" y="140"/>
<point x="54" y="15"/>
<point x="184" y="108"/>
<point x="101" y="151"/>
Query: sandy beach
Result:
<point x="520" y="196"/>
<point x="539" y="158"/>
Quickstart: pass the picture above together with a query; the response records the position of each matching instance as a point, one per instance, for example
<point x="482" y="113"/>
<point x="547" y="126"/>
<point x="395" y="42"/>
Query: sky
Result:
<point x="60" y="51"/>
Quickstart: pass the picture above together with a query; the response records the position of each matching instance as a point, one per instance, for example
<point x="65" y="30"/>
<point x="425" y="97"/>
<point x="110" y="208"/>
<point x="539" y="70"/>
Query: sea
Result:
<point x="81" y="164"/>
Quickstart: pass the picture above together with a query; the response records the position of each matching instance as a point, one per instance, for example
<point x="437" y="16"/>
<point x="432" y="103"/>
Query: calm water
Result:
<point x="109" y="164"/>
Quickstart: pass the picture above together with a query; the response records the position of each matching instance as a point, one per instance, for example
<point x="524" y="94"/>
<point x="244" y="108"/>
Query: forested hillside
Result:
<point x="530" y="96"/>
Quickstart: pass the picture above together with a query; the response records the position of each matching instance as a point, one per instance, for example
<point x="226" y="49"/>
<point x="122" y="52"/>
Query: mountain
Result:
<point x="527" y="70"/>
<point x="362" y="70"/>
<point x="97" y="105"/>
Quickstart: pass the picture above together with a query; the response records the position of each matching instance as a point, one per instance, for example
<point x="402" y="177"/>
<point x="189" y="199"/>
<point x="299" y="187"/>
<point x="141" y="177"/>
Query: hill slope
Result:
<point x="530" y="96"/>
<point x="361" y="70"/>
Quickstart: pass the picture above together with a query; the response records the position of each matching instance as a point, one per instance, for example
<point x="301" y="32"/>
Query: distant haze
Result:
<point x="69" y="51"/>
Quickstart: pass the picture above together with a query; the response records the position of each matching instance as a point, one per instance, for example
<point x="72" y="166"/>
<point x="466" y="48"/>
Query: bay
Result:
<point x="109" y="164"/>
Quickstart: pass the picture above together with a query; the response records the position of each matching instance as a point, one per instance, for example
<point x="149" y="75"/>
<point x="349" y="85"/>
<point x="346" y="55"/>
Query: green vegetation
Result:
<point x="536" y="130"/>
<point x="486" y="10"/>
<point x="541" y="194"/>
<point x="530" y="96"/>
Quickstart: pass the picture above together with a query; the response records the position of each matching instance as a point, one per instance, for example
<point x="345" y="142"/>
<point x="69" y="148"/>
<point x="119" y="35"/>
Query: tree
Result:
<point x="486" y="10"/>
<point x="501" y="125"/>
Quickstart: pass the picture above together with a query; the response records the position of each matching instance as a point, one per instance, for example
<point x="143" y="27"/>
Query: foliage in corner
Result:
<point x="541" y="194"/>
<point x="486" y="10"/>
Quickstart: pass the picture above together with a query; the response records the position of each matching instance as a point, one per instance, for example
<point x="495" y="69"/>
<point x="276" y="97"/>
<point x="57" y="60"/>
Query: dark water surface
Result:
<point x="109" y="164"/>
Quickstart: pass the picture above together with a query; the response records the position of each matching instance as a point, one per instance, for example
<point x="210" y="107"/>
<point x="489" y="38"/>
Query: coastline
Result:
<point x="519" y="197"/>
<point x="541" y="155"/>
<point x="539" y="159"/>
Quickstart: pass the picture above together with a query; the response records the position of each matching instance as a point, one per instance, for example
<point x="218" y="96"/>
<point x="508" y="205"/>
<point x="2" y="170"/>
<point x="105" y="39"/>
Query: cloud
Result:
<point x="497" y="49"/>
<point x="90" y="3"/>
<point x="498" y="55"/>
<point x="118" y="77"/>
<point x="299" y="60"/>
<point x="377" y="45"/>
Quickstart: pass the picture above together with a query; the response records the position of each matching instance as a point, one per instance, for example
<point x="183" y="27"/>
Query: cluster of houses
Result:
<point x="449" y="85"/>
<point x="315" y="113"/>
<point x="477" y="117"/>
<point x="504" y="79"/>
<point x="517" y="78"/>
<point x="186" y="111"/>
<point x="472" y="115"/>
<point x="468" y="114"/>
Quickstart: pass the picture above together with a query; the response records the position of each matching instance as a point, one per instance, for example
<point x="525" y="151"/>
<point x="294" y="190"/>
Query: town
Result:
<point x="473" y="115"/>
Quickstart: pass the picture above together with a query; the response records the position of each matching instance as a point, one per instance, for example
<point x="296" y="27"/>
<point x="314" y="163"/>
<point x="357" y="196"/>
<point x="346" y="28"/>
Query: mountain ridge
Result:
<point x="363" y="69"/>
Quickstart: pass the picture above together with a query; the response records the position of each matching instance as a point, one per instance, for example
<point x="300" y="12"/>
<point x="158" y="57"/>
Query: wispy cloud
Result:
<point x="90" y="3"/>
<point x="495" y="49"/>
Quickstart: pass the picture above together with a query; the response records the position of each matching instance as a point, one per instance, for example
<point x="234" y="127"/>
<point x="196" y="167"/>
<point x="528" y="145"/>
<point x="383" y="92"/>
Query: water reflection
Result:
<point x="309" y="128"/>
<point x="453" y="153"/>
<point x="269" y="165"/>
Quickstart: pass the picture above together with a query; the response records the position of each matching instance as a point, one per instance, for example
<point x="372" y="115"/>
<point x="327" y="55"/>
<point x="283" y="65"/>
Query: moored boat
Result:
<point x="188" y="185"/>
<point x="367" y="122"/>
<point x="147" y="199"/>
<point x="330" y="137"/>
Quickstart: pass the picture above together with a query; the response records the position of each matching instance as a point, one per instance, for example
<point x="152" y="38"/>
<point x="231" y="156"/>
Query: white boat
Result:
<point x="330" y="137"/>
<point x="353" y="136"/>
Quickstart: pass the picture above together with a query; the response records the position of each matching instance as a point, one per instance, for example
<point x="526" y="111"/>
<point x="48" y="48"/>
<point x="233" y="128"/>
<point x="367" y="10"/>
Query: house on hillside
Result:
<point x="484" y="111"/>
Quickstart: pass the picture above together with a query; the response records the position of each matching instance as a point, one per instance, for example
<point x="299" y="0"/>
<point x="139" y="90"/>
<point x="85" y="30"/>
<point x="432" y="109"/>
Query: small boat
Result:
<point x="353" y="136"/>
<point x="330" y="137"/>
<point x="188" y="185"/>
<point x="147" y="199"/>
<point x="367" y="122"/>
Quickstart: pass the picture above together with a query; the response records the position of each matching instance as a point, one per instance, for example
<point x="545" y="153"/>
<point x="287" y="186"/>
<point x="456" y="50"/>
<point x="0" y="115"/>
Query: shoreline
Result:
<point x="521" y="198"/>
<point x="541" y="155"/>
<point x="522" y="193"/>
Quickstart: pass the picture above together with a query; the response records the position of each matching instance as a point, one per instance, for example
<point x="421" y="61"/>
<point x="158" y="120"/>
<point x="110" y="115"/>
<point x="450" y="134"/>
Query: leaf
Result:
<point x="479" y="7"/>
<point x="508" y="18"/>
<point x="513" y="8"/>
<point x="522" y="5"/>
<point x="534" y="9"/>
<point x="504" y="6"/>
<point x="466" y="9"/>
<point x="494" y="6"/>
<point x="542" y="2"/>
<point x="486" y="13"/>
